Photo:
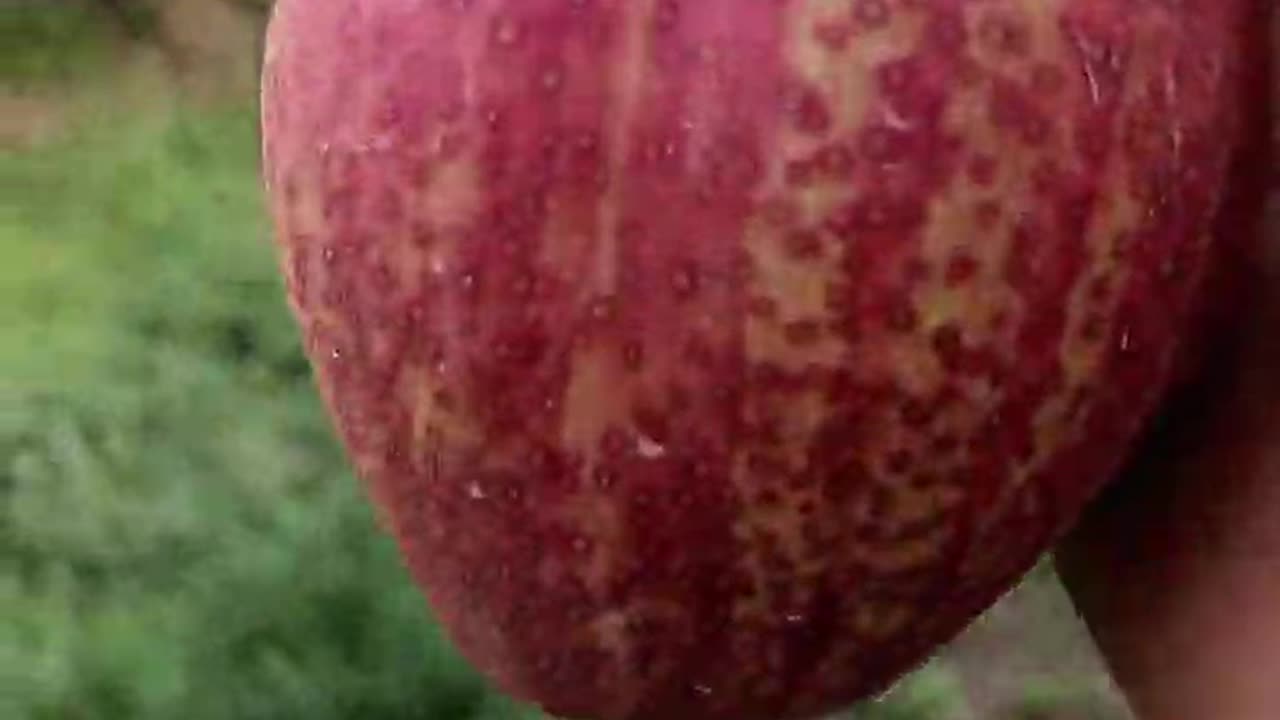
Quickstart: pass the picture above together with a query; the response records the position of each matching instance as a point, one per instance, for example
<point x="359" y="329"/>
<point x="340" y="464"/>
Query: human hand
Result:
<point x="1177" y="569"/>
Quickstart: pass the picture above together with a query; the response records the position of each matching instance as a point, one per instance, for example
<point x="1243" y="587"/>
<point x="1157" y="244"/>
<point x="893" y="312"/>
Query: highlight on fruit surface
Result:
<point x="721" y="358"/>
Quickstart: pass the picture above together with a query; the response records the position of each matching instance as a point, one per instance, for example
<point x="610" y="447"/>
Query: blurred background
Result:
<point x="180" y="536"/>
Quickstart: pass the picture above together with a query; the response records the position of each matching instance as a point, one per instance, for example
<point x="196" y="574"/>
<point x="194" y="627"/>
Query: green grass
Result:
<point x="931" y="693"/>
<point x="181" y="537"/>
<point x="58" y="41"/>
<point x="1045" y="699"/>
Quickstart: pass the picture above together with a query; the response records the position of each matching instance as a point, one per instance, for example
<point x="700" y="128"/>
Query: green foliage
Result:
<point x="1049" y="699"/>
<point x="46" y="41"/>
<point x="181" y="537"/>
<point x="261" y="7"/>
<point x="931" y="693"/>
<point x="58" y="40"/>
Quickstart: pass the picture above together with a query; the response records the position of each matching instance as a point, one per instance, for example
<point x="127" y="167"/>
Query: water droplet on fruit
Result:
<point x="702" y="690"/>
<point x="632" y="356"/>
<point x="336" y="353"/>
<point x="445" y="144"/>
<point x="602" y="308"/>
<point x="514" y="494"/>
<point x="1127" y="344"/>
<point x="552" y="80"/>
<point x="648" y="448"/>
<point x="685" y="282"/>
<point x="888" y="693"/>
<point x="604" y="478"/>
<point x="475" y="492"/>
<point x="506" y="31"/>
<point x="871" y="14"/>
<point x="793" y="618"/>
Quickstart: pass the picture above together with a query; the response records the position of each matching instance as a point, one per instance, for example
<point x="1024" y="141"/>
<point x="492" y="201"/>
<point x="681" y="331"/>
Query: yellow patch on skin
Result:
<point x="969" y="112"/>
<point x="1121" y="214"/>
<point x="845" y="78"/>
<point x="798" y="287"/>
<point x="628" y="70"/>
<point x="968" y="306"/>
<point x="903" y="555"/>
<point x="881" y="620"/>
<point x="920" y="504"/>
<point x="453" y="199"/>
<point x="845" y="81"/>
<point x="595" y="376"/>
<point x="594" y="373"/>
<point x="420" y="387"/>
<point x="1041" y="28"/>
<point x="800" y="290"/>
<point x="597" y="519"/>
<point x="599" y="394"/>
<point x="569" y="242"/>
<point x="1080" y="358"/>
<point x="979" y="297"/>
<point x="610" y="628"/>
<point x="301" y="222"/>
<point x="612" y="633"/>
<point x="410" y="264"/>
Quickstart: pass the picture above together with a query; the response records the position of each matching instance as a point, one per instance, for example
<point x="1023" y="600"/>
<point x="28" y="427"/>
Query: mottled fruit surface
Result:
<point x="718" y="359"/>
